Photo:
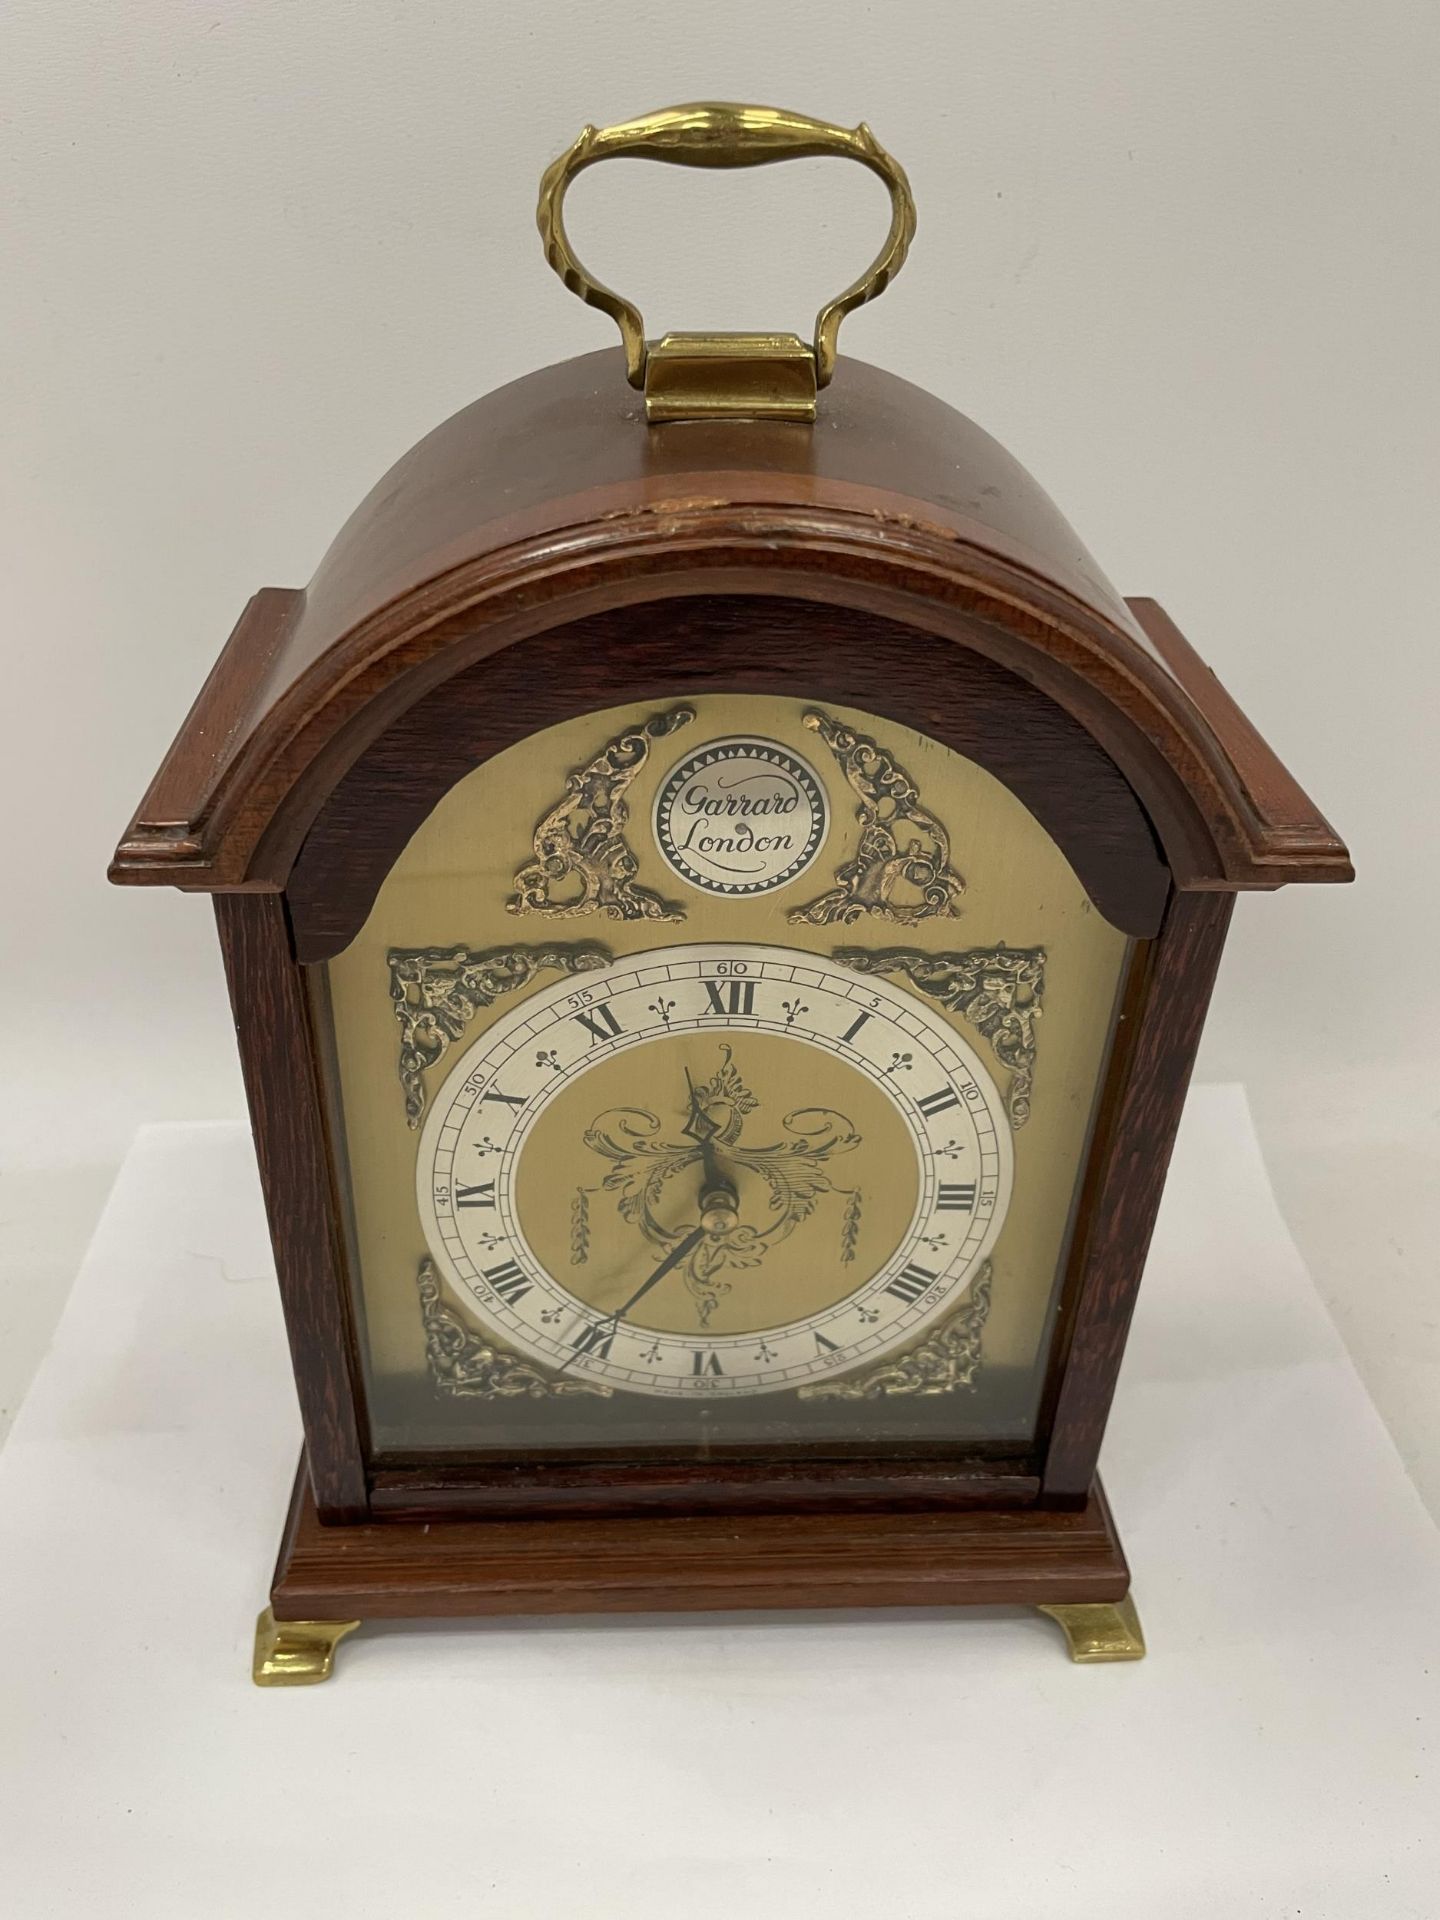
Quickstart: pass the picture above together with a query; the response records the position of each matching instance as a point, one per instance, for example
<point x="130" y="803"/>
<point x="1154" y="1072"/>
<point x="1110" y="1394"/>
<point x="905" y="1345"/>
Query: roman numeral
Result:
<point x="934" y="1103"/>
<point x="706" y="1362"/>
<point x="508" y="1281"/>
<point x="510" y="1099"/>
<point x="597" y="1339"/>
<point x="911" y="1284"/>
<point x="739" y="996"/>
<point x="481" y="1196"/>
<point x="823" y="1345"/>
<point x="955" y="1198"/>
<point x="600" y="1023"/>
<point x="851" y="1031"/>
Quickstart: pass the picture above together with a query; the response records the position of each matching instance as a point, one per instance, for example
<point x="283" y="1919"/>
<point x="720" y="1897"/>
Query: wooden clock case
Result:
<point x="543" y="554"/>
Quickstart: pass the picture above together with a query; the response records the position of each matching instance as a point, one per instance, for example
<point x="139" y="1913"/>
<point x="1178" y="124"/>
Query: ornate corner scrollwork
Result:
<point x="889" y="803"/>
<point x="437" y="992"/>
<point x="999" y="990"/>
<point x="945" y="1361"/>
<point x="464" y="1363"/>
<point x="581" y="840"/>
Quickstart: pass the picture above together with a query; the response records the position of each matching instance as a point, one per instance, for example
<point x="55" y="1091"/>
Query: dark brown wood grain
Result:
<point x="1149" y="1073"/>
<point x="1277" y="796"/>
<point x="550" y="501"/>
<point x="679" y="648"/>
<point x="397" y="1569"/>
<point x="278" y="1056"/>
<point x="215" y="727"/>
<point x="789" y="1483"/>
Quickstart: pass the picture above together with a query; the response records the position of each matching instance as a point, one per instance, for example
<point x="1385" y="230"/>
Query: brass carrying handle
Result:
<point x="715" y="133"/>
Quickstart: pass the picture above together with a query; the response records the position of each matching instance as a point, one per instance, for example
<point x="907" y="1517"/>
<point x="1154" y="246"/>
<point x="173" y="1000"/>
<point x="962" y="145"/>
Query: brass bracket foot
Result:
<point x="296" y="1653"/>
<point x="1109" y="1630"/>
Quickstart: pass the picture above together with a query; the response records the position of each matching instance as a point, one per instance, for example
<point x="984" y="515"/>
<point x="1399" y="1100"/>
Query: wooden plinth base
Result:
<point x="398" y="1569"/>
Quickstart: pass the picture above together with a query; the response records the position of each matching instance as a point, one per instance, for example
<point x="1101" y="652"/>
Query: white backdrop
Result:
<point x="1181" y="259"/>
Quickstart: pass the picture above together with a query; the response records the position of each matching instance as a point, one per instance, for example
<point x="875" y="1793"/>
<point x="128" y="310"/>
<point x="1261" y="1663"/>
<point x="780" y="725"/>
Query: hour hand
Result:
<point x="719" y="1201"/>
<point x="699" y="1126"/>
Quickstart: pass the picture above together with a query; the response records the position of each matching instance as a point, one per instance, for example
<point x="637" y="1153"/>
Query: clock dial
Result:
<point x="715" y="1171"/>
<point x="693" y="1091"/>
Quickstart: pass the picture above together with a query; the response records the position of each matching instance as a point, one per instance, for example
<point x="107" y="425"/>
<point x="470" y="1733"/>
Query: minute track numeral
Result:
<point x="508" y="1281"/>
<point x="911" y="1284"/>
<point x="738" y="997"/>
<point x="956" y="1196"/>
<point x="600" y="1023"/>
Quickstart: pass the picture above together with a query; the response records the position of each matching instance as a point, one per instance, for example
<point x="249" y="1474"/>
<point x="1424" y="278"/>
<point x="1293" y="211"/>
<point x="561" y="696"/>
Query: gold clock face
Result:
<point x="715" y="1171"/>
<point x="718" y="1073"/>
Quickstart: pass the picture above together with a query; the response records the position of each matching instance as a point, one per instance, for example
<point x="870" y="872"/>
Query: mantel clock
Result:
<point x="719" y="898"/>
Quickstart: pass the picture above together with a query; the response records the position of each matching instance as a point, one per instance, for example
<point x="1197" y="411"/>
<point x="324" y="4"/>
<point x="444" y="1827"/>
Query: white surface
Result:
<point x="1274" y="1756"/>
<point x="1179" y="257"/>
<point x="47" y="1215"/>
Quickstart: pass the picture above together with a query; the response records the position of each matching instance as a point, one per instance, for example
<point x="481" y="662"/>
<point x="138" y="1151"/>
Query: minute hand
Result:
<point x="667" y="1265"/>
<point x="672" y="1259"/>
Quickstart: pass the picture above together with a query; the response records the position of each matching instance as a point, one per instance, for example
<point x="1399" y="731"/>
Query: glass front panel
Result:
<point x="717" y="1075"/>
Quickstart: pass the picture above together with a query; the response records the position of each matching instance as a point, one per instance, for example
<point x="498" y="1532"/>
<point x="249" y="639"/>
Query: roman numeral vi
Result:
<point x="597" y="1339"/>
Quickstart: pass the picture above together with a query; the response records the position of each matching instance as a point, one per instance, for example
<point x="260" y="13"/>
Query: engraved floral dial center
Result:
<point x="763" y="1144"/>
